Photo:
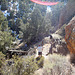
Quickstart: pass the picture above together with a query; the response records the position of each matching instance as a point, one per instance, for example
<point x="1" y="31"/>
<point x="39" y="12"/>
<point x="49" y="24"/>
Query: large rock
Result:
<point x="70" y="35"/>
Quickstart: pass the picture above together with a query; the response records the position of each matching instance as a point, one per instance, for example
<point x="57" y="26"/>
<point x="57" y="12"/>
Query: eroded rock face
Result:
<point x="70" y="35"/>
<point x="70" y="39"/>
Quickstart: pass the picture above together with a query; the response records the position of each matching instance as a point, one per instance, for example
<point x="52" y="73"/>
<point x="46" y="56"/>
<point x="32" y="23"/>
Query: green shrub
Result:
<point x="40" y="61"/>
<point x="21" y="66"/>
<point x="2" y="60"/>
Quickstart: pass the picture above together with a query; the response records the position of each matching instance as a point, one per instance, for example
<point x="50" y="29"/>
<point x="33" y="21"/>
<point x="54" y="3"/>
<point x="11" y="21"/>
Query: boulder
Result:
<point x="70" y="35"/>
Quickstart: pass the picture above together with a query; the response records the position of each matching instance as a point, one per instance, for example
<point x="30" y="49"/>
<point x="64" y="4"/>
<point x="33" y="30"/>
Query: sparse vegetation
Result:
<point x="23" y="24"/>
<point x="56" y="65"/>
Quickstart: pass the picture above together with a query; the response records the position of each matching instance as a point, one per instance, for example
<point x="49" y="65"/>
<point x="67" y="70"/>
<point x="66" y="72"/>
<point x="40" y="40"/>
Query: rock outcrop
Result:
<point x="70" y="38"/>
<point x="70" y="35"/>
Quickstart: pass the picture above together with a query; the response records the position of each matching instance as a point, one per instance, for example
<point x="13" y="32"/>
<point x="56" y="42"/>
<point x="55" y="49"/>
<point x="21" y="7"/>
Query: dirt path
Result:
<point x="45" y="50"/>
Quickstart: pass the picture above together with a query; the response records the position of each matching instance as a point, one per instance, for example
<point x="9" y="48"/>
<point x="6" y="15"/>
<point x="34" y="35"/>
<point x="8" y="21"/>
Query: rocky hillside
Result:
<point x="57" y="64"/>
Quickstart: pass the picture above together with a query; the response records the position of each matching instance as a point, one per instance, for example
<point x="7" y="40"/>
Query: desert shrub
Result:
<point x="57" y="65"/>
<point x="40" y="61"/>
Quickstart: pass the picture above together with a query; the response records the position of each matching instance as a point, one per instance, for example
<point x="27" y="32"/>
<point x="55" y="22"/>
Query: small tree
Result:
<point x="5" y="34"/>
